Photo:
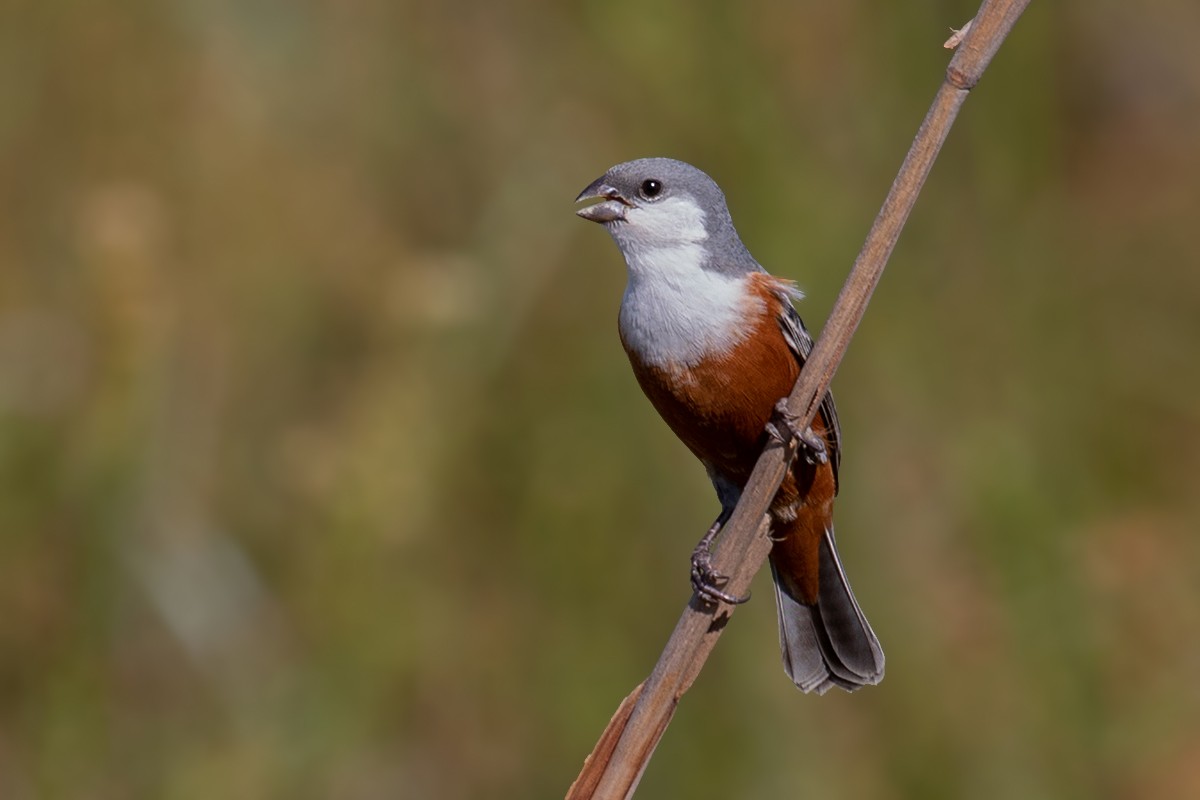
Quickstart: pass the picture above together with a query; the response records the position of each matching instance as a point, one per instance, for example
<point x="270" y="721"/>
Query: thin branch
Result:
<point x="616" y="765"/>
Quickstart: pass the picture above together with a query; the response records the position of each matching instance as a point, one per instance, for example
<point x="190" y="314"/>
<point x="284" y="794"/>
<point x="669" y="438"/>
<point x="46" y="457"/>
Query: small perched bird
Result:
<point x="716" y="345"/>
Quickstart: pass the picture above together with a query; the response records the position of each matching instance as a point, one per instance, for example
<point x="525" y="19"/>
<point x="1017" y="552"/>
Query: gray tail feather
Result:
<point x="830" y="643"/>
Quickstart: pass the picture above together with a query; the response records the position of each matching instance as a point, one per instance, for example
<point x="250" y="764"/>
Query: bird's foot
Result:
<point x="784" y="427"/>
<point x="706" y="580"/>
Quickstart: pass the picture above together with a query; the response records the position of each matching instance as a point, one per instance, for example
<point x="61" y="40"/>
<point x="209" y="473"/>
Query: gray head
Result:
<point x="656" y="203"/>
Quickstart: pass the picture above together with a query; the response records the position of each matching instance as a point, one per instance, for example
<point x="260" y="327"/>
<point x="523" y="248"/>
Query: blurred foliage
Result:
<point x="322" y="473"/>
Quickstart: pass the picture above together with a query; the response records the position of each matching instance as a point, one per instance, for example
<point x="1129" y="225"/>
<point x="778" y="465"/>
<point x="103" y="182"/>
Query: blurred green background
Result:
<point x="323" y="475"/>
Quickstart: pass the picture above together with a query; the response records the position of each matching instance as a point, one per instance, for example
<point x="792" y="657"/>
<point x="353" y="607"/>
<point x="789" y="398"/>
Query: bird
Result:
<point x="716" y="346"/>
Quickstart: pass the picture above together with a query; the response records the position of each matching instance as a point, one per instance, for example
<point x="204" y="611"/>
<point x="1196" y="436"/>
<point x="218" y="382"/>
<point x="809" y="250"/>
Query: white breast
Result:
<point x="675" y="312"/>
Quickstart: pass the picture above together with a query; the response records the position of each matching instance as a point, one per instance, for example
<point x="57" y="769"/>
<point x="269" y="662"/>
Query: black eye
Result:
<point x="651" y="188"/>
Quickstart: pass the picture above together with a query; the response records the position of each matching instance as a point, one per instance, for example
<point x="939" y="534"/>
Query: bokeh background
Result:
<point x="322" y="473"/>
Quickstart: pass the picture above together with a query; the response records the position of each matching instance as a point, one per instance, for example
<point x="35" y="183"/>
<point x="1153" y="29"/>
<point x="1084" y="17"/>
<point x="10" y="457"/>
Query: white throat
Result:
<point x="676" y="313"/>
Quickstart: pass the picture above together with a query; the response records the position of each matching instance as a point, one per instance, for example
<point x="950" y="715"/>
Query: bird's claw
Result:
<point x="707" y="581"/>
<point x="812" y="444"/>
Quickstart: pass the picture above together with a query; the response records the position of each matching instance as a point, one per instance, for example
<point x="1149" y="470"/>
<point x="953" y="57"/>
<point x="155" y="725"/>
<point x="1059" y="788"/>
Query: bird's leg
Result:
<point x="705" y="580"/>
<point x="812" y="445"/>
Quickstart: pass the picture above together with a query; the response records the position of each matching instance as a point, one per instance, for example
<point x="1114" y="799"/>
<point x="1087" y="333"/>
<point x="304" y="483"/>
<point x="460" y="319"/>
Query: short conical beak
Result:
<point x="611" y="210"/>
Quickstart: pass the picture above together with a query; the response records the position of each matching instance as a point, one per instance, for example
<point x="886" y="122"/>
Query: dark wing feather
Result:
<point x="801" y="344"/>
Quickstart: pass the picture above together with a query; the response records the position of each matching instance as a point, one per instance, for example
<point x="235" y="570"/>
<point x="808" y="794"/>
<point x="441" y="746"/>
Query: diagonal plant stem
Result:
<point x="616" y="764"/>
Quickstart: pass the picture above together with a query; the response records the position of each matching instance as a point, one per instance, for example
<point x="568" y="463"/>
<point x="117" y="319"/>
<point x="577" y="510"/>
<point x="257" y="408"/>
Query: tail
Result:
<point x="828" y="643"/>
